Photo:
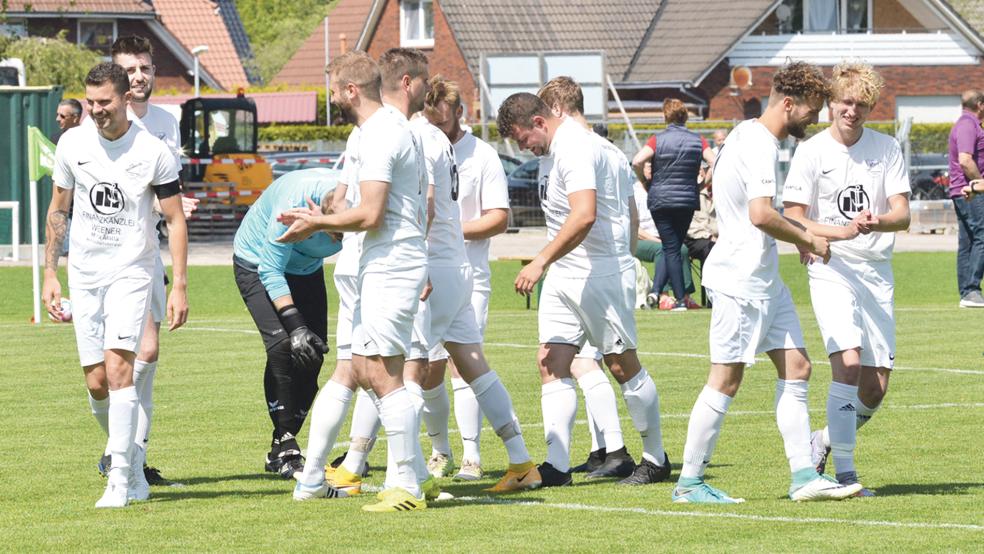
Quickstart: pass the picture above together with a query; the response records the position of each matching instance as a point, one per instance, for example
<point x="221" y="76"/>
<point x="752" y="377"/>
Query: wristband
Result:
<point x="291" y="318"/>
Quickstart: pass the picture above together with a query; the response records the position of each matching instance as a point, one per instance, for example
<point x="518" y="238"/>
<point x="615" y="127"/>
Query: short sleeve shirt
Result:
<point x="482" y="185"/>
<point x="445" y="241"/>
<point x="836" y="182"/>
<point x="113" y="231"/>
<point x="348" y="261"/>
<point x="745" y="261"/>
<point x="966" y="137"/>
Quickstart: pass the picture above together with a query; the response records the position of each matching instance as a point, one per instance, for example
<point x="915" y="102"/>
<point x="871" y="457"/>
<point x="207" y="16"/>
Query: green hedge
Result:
<point x="303" y="133"/>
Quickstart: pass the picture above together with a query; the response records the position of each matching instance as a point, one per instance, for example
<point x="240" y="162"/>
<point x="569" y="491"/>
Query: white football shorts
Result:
<point x="742" y="328"/>
<point x="110" y="317"/>
<point x="598" y="310"/>
<point x="854" y="305"/>
<point x="461" y="331"/>
<point x="158" y="293"/>
<point x="383" y="318"/>
<point x="347" y="287"/>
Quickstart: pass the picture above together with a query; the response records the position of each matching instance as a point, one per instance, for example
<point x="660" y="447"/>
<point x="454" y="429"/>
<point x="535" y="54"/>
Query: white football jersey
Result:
<point x="574" y="163"/>
<point x="158" y="122"/>
<point x="113" y="231"/>
<point x="445" y="241"/>
<point x="482" y="186"/>
<point x="836" y="182"/>
<point x="389" y="152"/>
<point x="744" y="262"/>
<point x="348" y="260"/>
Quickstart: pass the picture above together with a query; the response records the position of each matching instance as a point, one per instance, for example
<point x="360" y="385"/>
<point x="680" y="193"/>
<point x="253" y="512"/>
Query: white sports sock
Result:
<point x="599" y="399"/>
<point x="416" y="393"/>
<point x="100" y="411"/>
<point x="399" y="419"/>
<point x="865" y="413"/>
<point x="436" y="413"/>
<point x="122" y="425"/>
<point x="558" y="401"/>
<point x="642" y="400"/>
<point x="495" y="402"/>
<point x="365" y="426"/>
<point x="793" y="419"/>
<point x="842" y="424"/>
<point x="143" y="380"/>
<point x="327" y="415"/>
<point x="703" y="431"/>
<point x="468" y="414"/>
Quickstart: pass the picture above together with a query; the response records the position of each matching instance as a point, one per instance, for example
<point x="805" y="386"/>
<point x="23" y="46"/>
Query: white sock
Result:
<point x="558" y="401"/>
<point x="327" y="415"/>
<point x="468" y="414"/>
<point x="642" y="400"/>
<point x="842" y="424"/>
<point x="793" y="419"/>
<point x="143" y="380"/>
<point x="416" y="393"/>
<point x="100" y="411"/>
<point x="703" y="431"/>
<point x="437" y="412"/>
<point x="365" y="427"/>
<point x="495" y="402"/>
<point x="399" y="418"/>
<point x="599" y="399"/>
<point x="864" y="412"/>
<point x="122" y="425"/>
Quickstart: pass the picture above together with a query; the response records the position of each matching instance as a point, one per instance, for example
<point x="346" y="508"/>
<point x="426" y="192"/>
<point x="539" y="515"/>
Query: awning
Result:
<point x="271" y="107"/>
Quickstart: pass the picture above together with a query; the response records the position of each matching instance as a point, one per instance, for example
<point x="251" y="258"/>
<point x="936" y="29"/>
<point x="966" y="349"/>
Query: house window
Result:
<point x="98" y="35"/>
<point x="13" y="28"/>
<point x="417" y="23"/>
<point x="824" y="16"/>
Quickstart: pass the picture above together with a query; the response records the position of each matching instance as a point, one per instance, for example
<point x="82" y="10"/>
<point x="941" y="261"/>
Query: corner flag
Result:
<point x="41" y="154"/>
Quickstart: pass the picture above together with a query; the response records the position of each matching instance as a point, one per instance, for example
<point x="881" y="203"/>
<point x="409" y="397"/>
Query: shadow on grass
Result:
<point x="483" y="501"/>
<point x="927" y="489"/>
<point x="190" y="482"/>
<point x="184" y="493"/>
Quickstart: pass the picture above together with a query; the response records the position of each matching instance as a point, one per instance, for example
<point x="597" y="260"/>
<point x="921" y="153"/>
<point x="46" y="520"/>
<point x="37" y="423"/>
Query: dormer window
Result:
<point x="824" y="16"/>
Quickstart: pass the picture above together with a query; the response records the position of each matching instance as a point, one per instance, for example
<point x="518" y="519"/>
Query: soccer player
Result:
<point x="114" y="169"/>
<point x="752" y="309"/>
<point x="392" y="273"/>
<point x="589" y="292"/>
<point x="283" y="287"/>
<point x="483" y="204"/>
<point x="608" y="457"/>
<point x="849" y="185"/>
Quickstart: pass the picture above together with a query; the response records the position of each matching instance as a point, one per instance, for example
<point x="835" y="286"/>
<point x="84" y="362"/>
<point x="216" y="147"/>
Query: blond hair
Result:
<point x="358" y="68"/>
<point x="397" y="62"/>
<point x="857" y="80"/>
<point x="442" y="90"/>
<point x="565" y="92"/>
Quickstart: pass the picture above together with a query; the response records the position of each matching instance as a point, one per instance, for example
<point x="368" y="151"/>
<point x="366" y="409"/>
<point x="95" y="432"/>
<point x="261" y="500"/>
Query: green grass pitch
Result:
<point x="922" y="453"/>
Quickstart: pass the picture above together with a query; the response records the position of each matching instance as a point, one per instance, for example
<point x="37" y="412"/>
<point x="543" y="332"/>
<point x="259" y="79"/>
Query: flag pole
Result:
<point x="35" y="282"/>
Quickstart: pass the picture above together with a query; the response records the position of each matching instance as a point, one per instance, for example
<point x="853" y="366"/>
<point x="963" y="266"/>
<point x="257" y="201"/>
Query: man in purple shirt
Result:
<point x="966" y="160"/>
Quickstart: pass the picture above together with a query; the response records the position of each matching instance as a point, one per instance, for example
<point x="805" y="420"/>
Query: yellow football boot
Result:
<point x="396" y="499"/>
<point x="517" y="478"/>
<point x="343" y="480"/>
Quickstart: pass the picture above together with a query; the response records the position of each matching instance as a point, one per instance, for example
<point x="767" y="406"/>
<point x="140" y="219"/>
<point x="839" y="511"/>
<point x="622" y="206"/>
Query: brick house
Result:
<point x="174" y="27"/>
<point x="928" y="50"/>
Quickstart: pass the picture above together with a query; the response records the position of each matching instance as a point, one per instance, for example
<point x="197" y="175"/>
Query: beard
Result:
<point x="347" y="112"/>
<point x="797" y="130"/>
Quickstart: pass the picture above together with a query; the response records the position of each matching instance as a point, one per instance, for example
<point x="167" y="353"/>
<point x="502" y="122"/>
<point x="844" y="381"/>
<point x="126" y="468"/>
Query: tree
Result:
<point x="277" y="28"/>
<point x="52" y="61"/>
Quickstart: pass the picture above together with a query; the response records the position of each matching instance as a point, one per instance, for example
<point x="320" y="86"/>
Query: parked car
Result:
<point x="509" y="163"/>
<point x="284" y="162"/>
<point x="524" y="195"/>
<point x="929" y="176"/>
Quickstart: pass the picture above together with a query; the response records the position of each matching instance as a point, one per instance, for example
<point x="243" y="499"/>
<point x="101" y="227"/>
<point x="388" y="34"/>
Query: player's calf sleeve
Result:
<point x="642" y="400"/>
<point x="793" y="420"/>
<point x="281" y="406"/>
<point x="327" y="415"/>
<point x="599" y="400"/>
<point x="122" y="425"/>
<point x="495" y="402"/>
<point x="558" y="401"/>
<point x="864" y="413"/>
<point x="703" y="431"/>
<point x="842" y="424"/>
<point x="468" y="414"/>
<point x="436" y="413"/>
<point x="100" y="411"/>
<point x="399" y="418"/>
<point x="143" y="380"/>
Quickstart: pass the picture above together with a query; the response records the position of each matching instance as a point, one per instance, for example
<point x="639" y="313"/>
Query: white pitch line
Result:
<point x="723" y="515"/>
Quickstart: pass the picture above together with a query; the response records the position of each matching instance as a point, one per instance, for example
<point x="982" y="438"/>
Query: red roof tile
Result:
<point x="307" y="66"/>
<point x="271" y="107"/>
<point x="197" y="22"/>
<point x="82" y="6"/>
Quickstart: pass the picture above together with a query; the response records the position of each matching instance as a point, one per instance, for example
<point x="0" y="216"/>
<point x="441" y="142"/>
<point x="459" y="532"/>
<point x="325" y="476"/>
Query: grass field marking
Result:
<point x="721" y="515"/>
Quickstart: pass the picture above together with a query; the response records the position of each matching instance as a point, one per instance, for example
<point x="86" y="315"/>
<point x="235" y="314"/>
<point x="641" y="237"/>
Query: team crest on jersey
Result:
<point x="107" y="198"/>
<point x="851" y="200"/>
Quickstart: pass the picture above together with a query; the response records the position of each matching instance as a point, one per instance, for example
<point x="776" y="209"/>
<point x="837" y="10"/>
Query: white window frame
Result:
<point x="841" y="16"/>
<point x="78" y="31"/>
<point x="416" y="43"/>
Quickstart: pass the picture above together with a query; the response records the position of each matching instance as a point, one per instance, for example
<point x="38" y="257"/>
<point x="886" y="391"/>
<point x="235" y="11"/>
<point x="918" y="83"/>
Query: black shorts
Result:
<point x="308" y="292"/>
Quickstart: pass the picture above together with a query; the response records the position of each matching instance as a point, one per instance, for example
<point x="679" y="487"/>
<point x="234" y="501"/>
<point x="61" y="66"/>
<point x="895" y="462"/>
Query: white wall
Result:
<point x="928" y="109"/>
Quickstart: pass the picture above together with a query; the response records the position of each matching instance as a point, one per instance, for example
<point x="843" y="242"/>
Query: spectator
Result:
<point x="703" y="227"/>
<point x="68" y="114"/>
<point x="675" y="155"/>
<point x="650" y="249"/>
<point x="966" y="156"/>
<point x="718" y="138"/>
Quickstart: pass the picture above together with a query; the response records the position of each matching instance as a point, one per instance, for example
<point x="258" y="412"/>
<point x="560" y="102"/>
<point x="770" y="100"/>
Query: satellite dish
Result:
<point x="741" y="77"/>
